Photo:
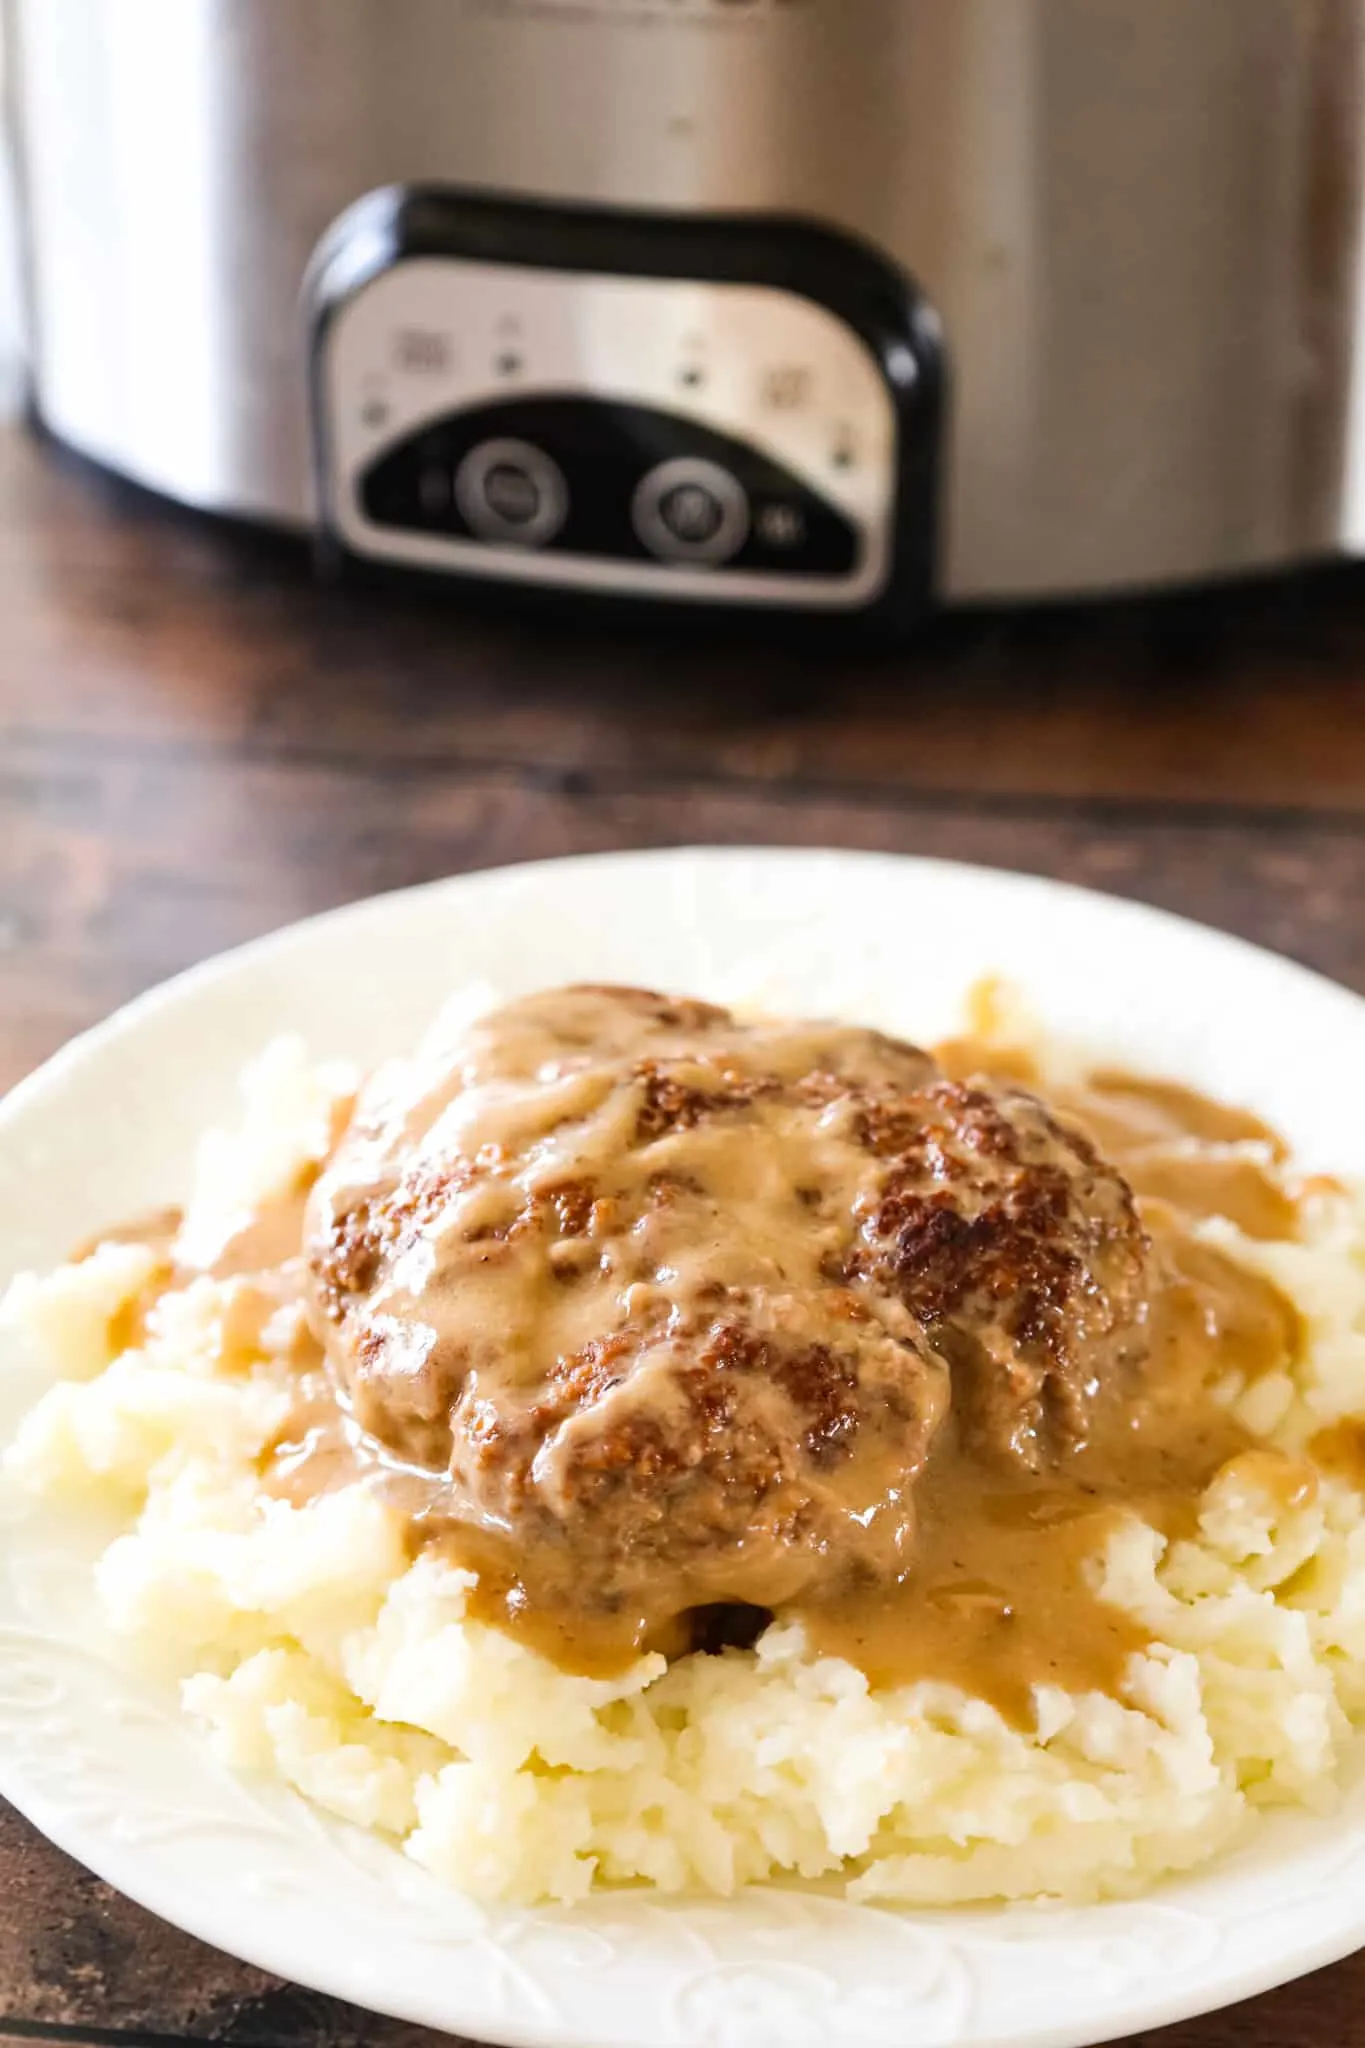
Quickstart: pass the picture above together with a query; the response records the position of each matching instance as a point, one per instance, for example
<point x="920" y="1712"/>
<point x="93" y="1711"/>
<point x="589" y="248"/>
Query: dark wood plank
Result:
<point x="117" y="868"/>
<point x="127" y="624"/>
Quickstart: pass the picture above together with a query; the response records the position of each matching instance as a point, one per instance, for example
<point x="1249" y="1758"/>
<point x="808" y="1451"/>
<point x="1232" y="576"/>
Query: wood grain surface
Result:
<point x="199" y="743"/>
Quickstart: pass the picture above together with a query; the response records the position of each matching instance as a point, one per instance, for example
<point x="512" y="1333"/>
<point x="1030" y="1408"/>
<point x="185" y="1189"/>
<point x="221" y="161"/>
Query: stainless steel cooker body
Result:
<point x="1093" y="262"/>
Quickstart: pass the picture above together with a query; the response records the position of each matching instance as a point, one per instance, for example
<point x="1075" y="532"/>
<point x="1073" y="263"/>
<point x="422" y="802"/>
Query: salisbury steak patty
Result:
<point x="679" y="1303"/>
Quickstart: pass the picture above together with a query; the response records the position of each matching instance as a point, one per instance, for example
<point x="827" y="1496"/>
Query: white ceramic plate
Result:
<point x="105" y="1765"/>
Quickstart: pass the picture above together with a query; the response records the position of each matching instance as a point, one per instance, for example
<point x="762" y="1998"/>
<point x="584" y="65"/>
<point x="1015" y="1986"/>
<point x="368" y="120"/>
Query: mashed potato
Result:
<point x="311" y="1649"/>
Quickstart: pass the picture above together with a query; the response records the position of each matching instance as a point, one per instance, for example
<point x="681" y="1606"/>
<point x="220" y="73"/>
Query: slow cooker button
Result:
<point x="511" y="491"/>
<point x="689" y="510"/>
<point x="691" y="513"/>
<point x="511" y="494"/>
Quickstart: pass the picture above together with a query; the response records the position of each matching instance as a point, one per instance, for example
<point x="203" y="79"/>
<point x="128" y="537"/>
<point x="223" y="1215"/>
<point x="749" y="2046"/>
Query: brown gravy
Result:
<point x="1200" y="1157"/>
<point x="1340" y="1450"/>
<point x="999" y="1592"/>
<point x="157" y="1232"/>
<point x="1000" y="1595"/>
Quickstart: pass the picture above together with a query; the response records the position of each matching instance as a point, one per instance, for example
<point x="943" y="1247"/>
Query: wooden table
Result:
<point x="197" y="744"/>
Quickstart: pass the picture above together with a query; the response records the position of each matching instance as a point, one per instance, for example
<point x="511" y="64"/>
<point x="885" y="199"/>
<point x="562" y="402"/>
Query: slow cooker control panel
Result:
<point x="563" y="421"/>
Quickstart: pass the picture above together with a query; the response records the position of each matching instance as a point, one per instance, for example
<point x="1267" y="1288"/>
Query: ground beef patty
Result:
<point x="679" y="1303"/>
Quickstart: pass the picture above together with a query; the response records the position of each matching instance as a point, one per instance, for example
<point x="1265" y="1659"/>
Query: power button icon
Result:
<point x="690" y="510"/>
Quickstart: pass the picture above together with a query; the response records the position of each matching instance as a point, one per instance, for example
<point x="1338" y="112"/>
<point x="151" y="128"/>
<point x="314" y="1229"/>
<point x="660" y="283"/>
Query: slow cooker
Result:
<point x="848" y="305"/>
